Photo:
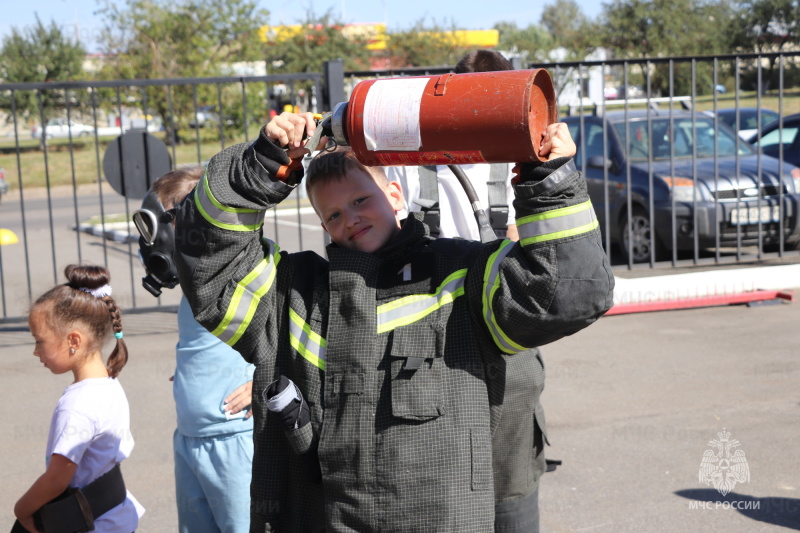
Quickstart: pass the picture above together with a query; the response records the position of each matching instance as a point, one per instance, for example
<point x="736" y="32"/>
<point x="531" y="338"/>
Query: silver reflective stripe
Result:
<point x="246" y="297"/>
<point x="410" y="309"/>
<point x="221" y="216"/>
<point x="491" y="282"/>
<point x="305" y="341"/>
<point x="557" y="223"/>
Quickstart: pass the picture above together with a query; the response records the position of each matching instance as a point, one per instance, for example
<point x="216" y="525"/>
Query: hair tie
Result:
<point x="99" y="292"/>
<point x="118" y="335"/>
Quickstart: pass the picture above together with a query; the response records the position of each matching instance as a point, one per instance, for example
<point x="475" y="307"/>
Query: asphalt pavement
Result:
<point x="632" y="404"/>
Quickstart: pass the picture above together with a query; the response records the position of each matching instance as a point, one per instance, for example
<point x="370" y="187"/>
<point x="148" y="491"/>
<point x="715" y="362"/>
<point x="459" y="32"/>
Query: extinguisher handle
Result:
<point x="311" y="143"/>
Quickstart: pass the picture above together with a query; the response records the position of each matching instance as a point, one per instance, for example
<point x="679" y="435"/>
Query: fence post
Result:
<point x="333" y="88"/>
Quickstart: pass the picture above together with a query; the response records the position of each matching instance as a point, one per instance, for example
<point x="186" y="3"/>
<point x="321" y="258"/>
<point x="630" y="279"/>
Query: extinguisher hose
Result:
<point x="484" y="228"/>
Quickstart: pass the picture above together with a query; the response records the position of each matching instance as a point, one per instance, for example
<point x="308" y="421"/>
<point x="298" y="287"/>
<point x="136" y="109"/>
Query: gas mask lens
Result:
<point x="147" y="225"/>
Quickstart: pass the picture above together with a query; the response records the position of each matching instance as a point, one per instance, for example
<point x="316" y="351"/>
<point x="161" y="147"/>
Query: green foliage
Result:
<point x="425" y="45"/>
<point x="768" y="25"/>
<point x="176" y="39"/>
<point x="532" y="43"/>
<point x="660" y="28"/>
<point x="321" y="40"/>
<point x="38" y="54"/>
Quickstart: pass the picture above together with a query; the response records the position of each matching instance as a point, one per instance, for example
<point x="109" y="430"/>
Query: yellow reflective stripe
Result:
<point x="557" y="223"/>
<point x="222" y="216"/>
<point x="410" y="309"/>
<point x="306" y="342"/>
<point x="491" y="282"/>
<point x="246" y="297"/>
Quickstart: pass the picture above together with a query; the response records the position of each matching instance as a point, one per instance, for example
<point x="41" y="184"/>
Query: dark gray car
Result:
<point x="709" y="188"/>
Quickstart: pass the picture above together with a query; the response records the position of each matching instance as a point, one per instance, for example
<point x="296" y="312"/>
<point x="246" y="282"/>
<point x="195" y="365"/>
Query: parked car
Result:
<point x="3" y="184"/>
<point x="207" y="116"/>
<point x="59" y="127"/>
<point x="772" y="137"/>
<point x="748" y="119"/>
<point x="624" y="92"/>
<point x="730" y="206"/>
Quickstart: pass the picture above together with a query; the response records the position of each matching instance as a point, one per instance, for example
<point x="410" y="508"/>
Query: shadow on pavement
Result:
<point x="783" y="512"/>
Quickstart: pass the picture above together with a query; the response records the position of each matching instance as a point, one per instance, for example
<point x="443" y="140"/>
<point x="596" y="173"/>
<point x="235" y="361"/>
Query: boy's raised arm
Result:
<point x="225" y="266"/>
<point x="558" y="279"/>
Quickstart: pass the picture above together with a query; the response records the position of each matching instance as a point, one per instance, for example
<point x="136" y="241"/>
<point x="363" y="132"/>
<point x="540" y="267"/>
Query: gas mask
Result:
<point x="156" y="244"/>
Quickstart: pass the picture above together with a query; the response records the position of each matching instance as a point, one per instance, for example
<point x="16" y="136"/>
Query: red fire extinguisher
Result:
<point x="482" y="117"/>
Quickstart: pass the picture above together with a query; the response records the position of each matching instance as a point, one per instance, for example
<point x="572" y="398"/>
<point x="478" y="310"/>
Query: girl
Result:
<point x="89" y="431"/>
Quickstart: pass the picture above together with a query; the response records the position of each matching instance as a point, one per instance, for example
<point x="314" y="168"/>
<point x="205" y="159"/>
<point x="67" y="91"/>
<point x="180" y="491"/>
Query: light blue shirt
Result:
<point x="207" y="371"/>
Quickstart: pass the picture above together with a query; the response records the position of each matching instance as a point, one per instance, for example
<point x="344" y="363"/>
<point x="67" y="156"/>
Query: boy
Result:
<point x="396" y="337"/>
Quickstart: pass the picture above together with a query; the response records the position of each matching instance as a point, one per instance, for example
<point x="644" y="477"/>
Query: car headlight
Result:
<point x="682" y="188"/>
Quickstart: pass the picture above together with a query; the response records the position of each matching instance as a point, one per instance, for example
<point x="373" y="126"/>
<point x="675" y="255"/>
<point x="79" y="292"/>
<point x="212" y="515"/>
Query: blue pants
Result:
<point x="212" y="482"/>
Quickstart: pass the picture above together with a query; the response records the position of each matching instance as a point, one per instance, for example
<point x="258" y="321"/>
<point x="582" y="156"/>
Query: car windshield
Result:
<point x="678" y="137"/>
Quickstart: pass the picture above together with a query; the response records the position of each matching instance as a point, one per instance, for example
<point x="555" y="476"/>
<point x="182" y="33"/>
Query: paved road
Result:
<point x="632" y="403"/>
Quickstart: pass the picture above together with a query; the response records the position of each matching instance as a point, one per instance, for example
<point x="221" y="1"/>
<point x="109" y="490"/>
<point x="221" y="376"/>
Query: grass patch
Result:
<point x="58" y="164"/>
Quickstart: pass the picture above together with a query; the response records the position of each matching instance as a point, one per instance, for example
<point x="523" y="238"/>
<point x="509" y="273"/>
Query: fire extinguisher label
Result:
<point x="466" y="157"/>
<point x="391" y="114"/>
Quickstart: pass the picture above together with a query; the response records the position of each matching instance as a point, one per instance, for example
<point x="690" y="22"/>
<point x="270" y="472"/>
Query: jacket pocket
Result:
<point x="481" y="448"/>
<point x="416" y="372"/>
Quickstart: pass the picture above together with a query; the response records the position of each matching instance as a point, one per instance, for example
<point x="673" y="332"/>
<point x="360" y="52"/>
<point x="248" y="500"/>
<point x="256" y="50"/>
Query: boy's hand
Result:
<point x="288" y="129"/>
<point x="557" y="142"/>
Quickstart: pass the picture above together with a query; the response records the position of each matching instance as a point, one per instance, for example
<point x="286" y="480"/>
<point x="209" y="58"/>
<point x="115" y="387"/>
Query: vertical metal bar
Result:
<point x="127" y="203"/>
<point x="99" y="170"/>
<point x="737" y="162"/>
<point x="196" y="124"/>
<point x="759" y="181"/>
<point x="220" y="117"/>
<point x="72" y="170"/>
<point x="21" y="199"/>
<point x="717" y="205"/>
<point x="650" y="200"/>
<point x="673" y="214"/>
<point x="173" y="132"/>
<point x="629" y="200"/>
<point x="781" y="213"/>
<point x="606" y="161"/>
<point x="694" y="165"/>
<point x="245" y="122"/>
<point x="47" y="182"/>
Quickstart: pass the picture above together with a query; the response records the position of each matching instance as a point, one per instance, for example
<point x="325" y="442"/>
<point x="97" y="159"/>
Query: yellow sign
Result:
<point x="375" y="37"/>
<point x="7" y="237"/>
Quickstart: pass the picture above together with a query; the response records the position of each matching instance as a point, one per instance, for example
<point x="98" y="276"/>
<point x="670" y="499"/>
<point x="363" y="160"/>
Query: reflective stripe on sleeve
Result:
<point x="410" y="309"/>
<point x="491" y="282"/>
<point x="557" y="223"/>
<point x="221" y="216"/>
<point x="307" y="343"/>
<point x="246" y="297"/>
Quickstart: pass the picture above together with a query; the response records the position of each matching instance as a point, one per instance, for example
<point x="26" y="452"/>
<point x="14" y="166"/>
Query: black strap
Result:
<point x="429" y="199"/>
<point x="498" y="202"/>
<point x="76" y="509"/>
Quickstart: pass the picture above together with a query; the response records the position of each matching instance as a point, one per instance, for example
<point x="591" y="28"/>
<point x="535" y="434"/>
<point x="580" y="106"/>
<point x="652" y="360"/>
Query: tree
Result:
<point x="425" y="45"/>
<point x="768" y="26"/>
<point x="659" y="28"/>
<point x="39" y="54"/>
<point x="532" y="43"/>
<point x="317" y="40"/>
<point x="176" y="39"/>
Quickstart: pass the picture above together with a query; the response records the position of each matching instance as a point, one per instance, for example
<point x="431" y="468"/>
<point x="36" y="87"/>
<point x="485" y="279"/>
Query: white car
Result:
<point x="59" y="127"/>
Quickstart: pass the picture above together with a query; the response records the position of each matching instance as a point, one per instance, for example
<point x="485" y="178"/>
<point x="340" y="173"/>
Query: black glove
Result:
<point x="285" y="399"/>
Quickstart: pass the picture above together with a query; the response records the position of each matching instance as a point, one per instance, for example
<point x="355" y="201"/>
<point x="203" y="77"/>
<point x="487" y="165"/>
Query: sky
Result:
<point x="78" y="16"/>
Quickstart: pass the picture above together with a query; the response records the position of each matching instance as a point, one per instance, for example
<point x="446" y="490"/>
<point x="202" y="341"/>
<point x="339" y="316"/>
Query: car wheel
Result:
<point x="83" y="134"/>
<point x="643" y="238"/>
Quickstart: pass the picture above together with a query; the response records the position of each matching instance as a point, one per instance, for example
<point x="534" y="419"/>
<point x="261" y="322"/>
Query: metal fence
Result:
<point x="62" y="208"/>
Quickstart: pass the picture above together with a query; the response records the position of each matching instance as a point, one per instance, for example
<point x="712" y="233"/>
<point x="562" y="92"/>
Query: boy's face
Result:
<point x="357" y="212"/>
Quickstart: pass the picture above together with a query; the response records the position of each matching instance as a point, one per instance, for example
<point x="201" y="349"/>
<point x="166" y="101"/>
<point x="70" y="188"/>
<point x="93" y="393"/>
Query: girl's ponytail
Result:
<point x="119" y="356"/>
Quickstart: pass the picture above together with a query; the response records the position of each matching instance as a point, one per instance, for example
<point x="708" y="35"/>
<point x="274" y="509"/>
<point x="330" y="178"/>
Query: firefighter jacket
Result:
<point x="392" y="350"/>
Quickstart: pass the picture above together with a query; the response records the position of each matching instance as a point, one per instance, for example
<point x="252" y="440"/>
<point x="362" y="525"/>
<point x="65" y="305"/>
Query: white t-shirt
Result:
<point x="456" y="218"/>
<point x="91" y="428"/>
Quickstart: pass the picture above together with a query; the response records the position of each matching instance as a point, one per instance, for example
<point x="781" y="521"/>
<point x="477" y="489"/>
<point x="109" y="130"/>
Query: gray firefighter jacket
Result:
<point x="393" y="350"/>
